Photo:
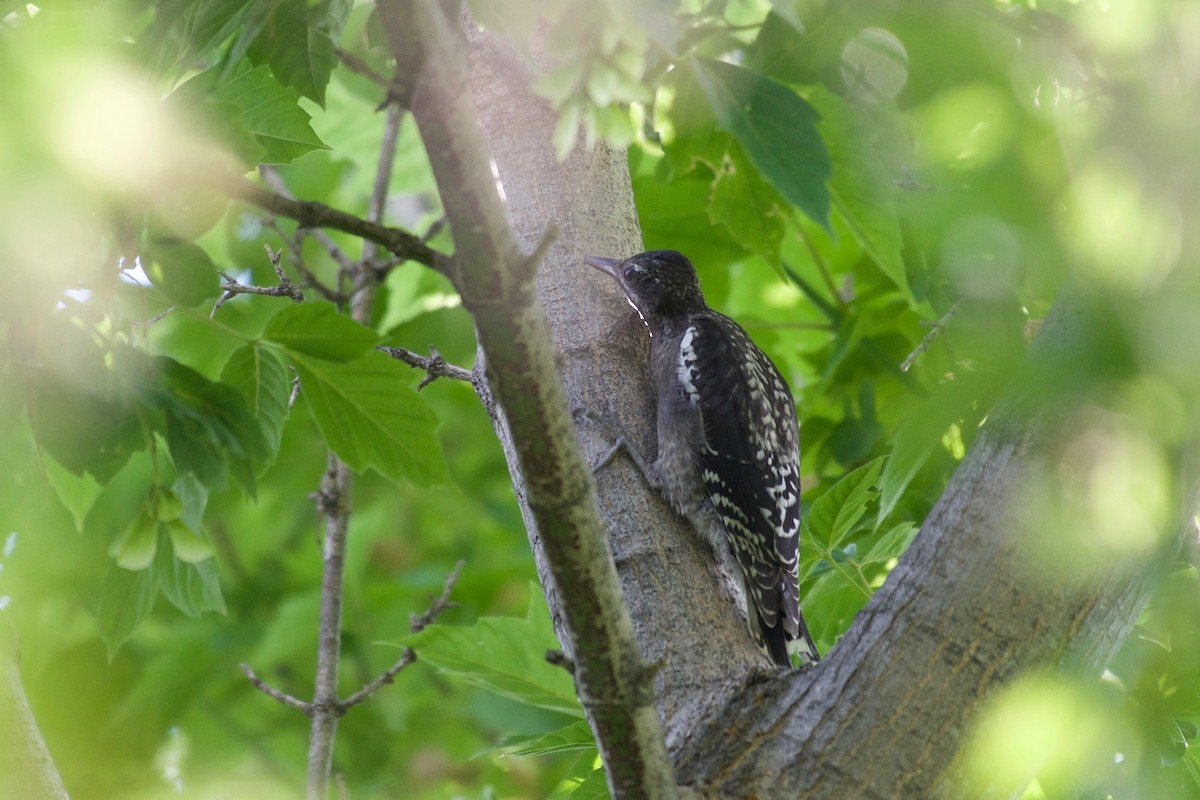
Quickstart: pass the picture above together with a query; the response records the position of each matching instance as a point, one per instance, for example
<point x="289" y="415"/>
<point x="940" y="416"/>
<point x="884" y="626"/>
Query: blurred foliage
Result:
<point x="862" y="185"/>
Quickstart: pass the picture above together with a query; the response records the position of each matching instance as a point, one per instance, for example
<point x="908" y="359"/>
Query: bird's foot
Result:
<point x="620" y="443"/>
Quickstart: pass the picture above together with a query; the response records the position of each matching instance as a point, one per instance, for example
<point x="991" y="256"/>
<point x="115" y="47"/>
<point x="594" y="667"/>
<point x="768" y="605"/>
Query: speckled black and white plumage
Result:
<point x="728" y="442"/>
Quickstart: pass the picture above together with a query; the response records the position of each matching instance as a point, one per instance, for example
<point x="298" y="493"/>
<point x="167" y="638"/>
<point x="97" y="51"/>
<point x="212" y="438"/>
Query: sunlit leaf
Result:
<point x="576" y="736"/>
<point x="126" y="598"/>
<point x="506" y="655"/>
<point x="859" y="188"/>
<point x="371" y="416"/>
<point x="299" y="41"/>
<point x="211" y="432"/>
<point x="261" y="378"/>
<point x="747" y="206"/>
<point x="271" y="113"/>
<point x="76" y="492"/>
<point x="835" y="513"/>
<point x="921" y="432"/>
<point x="181" y="270"/>
<point x="892" y="544"/>
<point x="317" y="329"/>
<point x="776" y="127"/>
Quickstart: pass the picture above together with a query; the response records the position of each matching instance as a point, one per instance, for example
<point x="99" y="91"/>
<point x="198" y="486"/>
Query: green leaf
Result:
<point x="194" y="497"/>
<point x="370" y="416"/>
<point x="892" y="544"/>
<point x="193" y="588"/>
<point x="921" y="432"/>
<point x="776" y="127"/>
<point x="317" y="329"/>
<point x="126" y="598"/>
<point x="260" y="376"/>
<point x="747" y="205"/>
<point x="271" y="113"/>
<point x="835" y="513"/>
<point x="210" y="431"/>
<point x="860" y="190"/>
<point x="299" y="41"/>
<point x="593" y="787"/>
<point x="76" y="417"/>
<point x="201" y="25"/>
<point x="576" y="736"/>
<point x="180" y="270"/>
<point x="76" y="492"/>
<point x="786" y="9"/>
<point x="583" y="770"/>
<point x="505" y="655"/>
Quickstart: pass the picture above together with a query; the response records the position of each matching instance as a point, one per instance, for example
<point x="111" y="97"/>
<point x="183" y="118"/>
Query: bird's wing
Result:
<point x="749" y="461"/>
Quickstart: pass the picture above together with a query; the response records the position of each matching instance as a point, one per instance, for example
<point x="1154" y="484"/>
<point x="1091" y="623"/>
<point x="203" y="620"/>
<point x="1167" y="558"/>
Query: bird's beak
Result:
<point x="609" y="266"/>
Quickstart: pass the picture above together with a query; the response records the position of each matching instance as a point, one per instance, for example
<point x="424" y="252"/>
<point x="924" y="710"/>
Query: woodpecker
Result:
<point x="728" y="441"/>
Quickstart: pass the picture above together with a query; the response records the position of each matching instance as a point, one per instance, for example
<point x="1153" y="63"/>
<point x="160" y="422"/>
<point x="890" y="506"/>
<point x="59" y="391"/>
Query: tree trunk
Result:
<point x="26" y="769"/>
<point x="969" y="608"/>
<point x="587" y="199"/>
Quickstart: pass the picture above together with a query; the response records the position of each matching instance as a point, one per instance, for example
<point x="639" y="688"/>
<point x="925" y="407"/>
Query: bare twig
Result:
<point x="934" y="331"/>
<point x="294" y="245"/>
<point x="347" y="265"/>
<point x="356" y="64"/>
<point x="435" y="366"/>
<point x="334" y="495"/>
<point x="419" y="623"/>
<point x="407" y="656"/>
<point x="311" y="214"/>
<point x="270" y="691"/>
<point x="153" y="319"/>
<point x="379" y="190"/>
<point x="231" y="288"/>
<point x="559" y="659"/>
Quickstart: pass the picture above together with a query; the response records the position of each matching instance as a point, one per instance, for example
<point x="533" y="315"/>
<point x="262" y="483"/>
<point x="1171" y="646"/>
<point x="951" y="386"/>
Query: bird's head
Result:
<point x="660" y="284"/>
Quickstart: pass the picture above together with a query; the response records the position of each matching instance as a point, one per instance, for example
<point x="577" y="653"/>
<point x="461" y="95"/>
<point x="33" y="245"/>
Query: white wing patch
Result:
<point x="688" y="374"/>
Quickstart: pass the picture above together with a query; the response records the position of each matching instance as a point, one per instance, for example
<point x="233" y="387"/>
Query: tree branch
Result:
<point x="968" y="608"/>
<point x="435" y="366"/>
<point x="275" y="694"/>
<point x="309" y="214"/>
<point x="416" y="624"/>
<point x="494" y="279"/>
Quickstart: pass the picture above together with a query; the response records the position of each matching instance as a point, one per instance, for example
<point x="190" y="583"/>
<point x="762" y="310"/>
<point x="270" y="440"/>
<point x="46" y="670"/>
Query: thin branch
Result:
<point x="560" y="659"/>
<point x="275" y="694"/>
<point x="272" y="177"/>
<point x="435" y="366"/>
<point x="820" y="262"/>
<point x="285" y="288"/>
<point x="419" y="623"/>
<point x="310" y="214"/>
<point x="153" y="319"/>
<point x="356" y="64"/>
<point x="379" y="190"/>
<point x="333" y="500"/>
<point x="310" y="280"/>
<point x="934" y="331"/>
<point x="407" y="656"/>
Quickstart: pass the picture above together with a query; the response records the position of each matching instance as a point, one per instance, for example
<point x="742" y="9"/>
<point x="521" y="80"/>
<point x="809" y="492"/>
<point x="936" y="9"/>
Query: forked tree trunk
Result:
<point x="966" y="611"/>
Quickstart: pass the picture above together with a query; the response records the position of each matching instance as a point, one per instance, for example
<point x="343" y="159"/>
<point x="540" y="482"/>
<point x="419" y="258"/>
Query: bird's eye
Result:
<point x="628" y="273"/>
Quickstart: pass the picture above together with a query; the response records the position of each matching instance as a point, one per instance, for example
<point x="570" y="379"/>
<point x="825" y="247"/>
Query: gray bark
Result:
<point x="966" y="611"/>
